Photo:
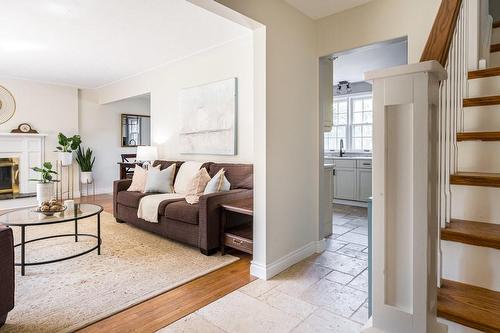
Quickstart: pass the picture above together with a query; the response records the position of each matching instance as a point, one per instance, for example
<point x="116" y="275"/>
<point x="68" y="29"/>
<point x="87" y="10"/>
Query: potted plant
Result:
<point x="86" y="161"/>
<point x="66" y="147"/>
<point x="44" y="186"/>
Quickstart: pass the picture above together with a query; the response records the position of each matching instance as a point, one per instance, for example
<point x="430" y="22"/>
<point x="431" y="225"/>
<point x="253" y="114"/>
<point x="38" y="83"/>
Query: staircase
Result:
<point x="470" y="239"/>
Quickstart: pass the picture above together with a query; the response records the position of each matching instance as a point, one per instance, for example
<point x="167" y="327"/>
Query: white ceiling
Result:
<point x="352" y="65"/>
<point x="91" y="43"/>
<point x="317" y="9"/>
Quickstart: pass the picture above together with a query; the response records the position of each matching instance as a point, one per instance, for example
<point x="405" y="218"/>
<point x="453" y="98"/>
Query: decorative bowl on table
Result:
<point x="49" y="208"/>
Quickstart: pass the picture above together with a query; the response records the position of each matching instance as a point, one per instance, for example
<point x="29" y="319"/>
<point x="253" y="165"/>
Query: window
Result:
<point x="352" y="122"/>
<point x="340" y="121"/>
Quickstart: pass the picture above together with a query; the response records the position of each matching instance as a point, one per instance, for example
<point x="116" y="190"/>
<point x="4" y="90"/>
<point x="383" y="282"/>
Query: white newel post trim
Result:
<point x="405" y="198"/>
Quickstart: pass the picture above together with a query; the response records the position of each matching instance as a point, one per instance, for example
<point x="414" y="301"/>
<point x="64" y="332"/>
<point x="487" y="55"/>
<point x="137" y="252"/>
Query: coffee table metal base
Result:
<point x="23" y="243"/>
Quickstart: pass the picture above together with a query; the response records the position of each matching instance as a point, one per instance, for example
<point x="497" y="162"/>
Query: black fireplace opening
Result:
<point x="6" y="178"/>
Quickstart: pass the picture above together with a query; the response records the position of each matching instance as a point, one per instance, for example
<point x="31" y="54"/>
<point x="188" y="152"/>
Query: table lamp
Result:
<point x="147" y="154"/>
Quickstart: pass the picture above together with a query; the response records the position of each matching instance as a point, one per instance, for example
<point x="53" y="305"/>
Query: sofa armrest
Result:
<point x="118" y="186"/>
<point x="210" y="215"/>
<point x="6" y="270"/>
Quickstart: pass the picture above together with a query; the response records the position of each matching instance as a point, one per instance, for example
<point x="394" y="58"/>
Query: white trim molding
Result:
<point x="267" y="271"/>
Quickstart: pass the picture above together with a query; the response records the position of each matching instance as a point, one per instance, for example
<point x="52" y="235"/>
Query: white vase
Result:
<point x="44" y="192"/>
<point x="86" y="177"/>
<point x="65" y="158"/>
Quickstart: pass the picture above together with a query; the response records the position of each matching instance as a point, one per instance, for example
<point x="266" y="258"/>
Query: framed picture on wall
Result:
<point x="208" y="114"/>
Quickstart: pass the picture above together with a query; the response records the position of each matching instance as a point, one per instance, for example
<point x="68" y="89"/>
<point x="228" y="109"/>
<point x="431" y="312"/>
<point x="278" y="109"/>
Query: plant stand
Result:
<point x="86" y="185"/>
<point x="65" y="172"/>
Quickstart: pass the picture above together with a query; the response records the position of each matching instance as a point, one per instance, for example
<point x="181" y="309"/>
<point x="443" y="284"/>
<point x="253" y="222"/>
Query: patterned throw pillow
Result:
<point x="197" y="186"/>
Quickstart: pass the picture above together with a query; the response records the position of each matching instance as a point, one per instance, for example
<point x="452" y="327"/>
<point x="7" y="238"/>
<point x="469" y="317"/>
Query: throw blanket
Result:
<point x="148" y="206"/>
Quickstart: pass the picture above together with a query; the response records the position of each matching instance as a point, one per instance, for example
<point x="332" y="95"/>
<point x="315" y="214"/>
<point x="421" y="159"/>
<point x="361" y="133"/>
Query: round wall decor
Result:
<point x="7" y="105"/>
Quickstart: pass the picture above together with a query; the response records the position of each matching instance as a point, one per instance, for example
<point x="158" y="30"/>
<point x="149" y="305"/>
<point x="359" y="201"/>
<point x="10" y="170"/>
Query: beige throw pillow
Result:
<point x="138" y="180"/>
<point x="197" y="186"/>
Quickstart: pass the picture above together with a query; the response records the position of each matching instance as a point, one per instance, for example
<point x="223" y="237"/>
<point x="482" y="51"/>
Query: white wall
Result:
<point x="291" y="132"/>
<point x="48" y="108"/>
<point x="234" y="59"/>
<point x="100" y="130"/>
<point x="378" y="21"/>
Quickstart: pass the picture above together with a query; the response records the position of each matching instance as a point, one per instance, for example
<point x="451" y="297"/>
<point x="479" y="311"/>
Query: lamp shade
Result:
<point x="147" y="153"/>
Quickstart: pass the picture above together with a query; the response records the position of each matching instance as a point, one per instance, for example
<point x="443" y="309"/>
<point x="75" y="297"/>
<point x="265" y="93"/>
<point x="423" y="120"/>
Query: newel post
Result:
<point x="405" y="197"/>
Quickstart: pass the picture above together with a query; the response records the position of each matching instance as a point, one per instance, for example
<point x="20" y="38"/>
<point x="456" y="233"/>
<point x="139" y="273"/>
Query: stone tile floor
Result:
<point x="324" y="293"/>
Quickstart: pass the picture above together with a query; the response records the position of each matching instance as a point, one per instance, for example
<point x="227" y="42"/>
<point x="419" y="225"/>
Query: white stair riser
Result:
<point x="494" y="59"/>
<point x="482" y="119"/>
<point x="470" y="264"/>
<point x="478" y="156"/>
<point x="475" y="203"/>
<point x="487" y="86"/>
<point x="457" y="328"/>
<point x="495" y="36"/>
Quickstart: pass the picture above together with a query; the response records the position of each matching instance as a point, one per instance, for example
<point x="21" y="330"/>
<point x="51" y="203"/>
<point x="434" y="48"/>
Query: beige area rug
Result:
<point x="134" y="266"/>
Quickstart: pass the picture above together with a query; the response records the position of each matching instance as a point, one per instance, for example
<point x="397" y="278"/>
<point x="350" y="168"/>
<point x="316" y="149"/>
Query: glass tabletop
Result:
<point x="28" y="216"/>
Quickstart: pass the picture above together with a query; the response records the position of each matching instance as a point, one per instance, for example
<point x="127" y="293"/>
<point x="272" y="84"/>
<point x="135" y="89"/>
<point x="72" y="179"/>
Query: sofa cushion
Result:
<point x="182" y="211"/>
<point x="130" y="199"/>
<point x="239" y="175"/>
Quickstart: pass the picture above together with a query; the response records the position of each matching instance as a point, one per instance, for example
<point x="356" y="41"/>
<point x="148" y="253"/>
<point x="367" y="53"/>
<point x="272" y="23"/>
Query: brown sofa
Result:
<point x="197" y="225"/>
<point x="6" y="272"/>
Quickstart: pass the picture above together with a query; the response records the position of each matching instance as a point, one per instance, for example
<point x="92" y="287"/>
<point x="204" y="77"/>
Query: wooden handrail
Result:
<point x="439" y="42"/>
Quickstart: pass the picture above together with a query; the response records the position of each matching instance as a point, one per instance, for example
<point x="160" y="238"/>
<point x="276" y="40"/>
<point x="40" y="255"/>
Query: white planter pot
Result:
<point x="44" y="192"/>
<point x="65" y="158"/>
<point x="86" y="177"/>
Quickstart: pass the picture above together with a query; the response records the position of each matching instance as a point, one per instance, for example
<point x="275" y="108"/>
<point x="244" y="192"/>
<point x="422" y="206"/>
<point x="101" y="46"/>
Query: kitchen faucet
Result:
<point x="342" y="147"/>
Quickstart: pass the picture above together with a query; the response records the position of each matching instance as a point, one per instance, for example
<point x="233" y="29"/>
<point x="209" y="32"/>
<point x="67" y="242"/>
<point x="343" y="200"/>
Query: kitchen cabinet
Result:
<point x="326" y="92"/>
<point x="345" y="184"/>
<point x="352" y="179"/>
<point x="364" y="183"/>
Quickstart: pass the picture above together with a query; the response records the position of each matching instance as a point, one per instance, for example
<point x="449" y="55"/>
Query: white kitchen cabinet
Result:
<point x="326" y="92"/>
<point x="364" y="183"/>
<point x="345" y="184"/>
<point x="352" y="180"/>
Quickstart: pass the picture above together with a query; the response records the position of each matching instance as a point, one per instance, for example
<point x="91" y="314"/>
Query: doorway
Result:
<point x="346" y="152"/>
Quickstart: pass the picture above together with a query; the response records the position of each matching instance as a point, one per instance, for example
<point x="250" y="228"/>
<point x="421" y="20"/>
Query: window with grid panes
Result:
<point x="361" y="126"/>
<point x="352" y="122"/>
<point x="340" y="124"/>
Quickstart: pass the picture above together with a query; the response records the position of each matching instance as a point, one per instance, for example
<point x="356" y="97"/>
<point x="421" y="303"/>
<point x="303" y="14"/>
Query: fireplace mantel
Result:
<point x="23" y="134"/>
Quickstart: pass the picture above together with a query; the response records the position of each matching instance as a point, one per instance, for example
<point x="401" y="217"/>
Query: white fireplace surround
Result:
<point x="30" y="149"/>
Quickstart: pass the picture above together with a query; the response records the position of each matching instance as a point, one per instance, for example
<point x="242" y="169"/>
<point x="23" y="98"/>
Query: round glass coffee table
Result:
<point x="27" y="217"/>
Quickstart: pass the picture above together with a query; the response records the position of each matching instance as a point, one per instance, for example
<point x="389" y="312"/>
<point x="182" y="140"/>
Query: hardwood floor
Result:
<point x="162" y="310"/>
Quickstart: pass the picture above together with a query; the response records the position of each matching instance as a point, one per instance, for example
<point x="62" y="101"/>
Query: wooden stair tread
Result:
<point x="482" y="101"/>
<point x="488" y="72"/>
<point x="468" y="305"/>
<point x="473" y="233"/>
<point x="495" y="48"/>
<point x="478" y="136"/>
<point x="496" y="24"/>
<point x="476" y="179"/>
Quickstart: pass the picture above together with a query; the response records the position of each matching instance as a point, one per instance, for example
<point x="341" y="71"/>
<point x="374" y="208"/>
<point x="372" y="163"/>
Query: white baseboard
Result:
<point x="267" y="271"/>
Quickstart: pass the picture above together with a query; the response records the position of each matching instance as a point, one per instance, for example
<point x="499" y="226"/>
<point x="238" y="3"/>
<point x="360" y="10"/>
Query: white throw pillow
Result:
<point x="185" y="175"/>
<point x="138" y="180"/>
<point x="218" y="183"/>
<point x="197" y="186"/>
<point x="160" y="181"/>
